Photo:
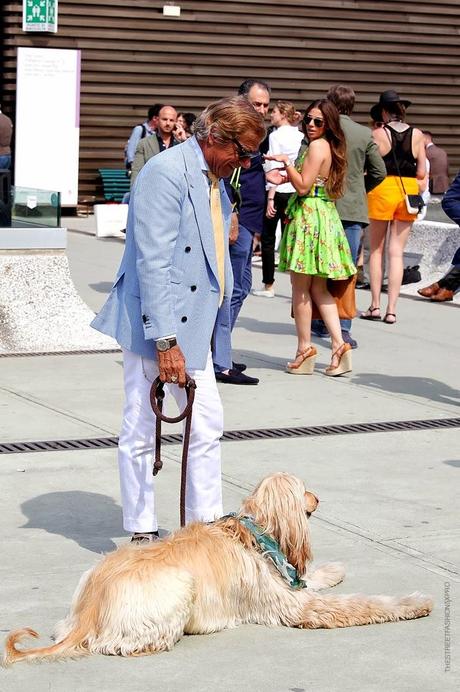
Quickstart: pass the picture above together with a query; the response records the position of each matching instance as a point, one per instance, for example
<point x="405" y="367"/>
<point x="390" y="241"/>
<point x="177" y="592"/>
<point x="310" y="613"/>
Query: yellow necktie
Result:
<point x="218" y="228"/>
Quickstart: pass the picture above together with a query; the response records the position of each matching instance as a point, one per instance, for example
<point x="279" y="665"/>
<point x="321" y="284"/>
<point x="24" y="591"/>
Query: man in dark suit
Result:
<point x="439" y="165"/>
<point x="246" y="190"/>
<point x="444" y="289"/>
<point x="365" y="170"/>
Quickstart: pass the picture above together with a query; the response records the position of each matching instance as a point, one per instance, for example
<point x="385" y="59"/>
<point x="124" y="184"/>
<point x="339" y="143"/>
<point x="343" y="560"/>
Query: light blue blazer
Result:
<point x="167" y="282"/>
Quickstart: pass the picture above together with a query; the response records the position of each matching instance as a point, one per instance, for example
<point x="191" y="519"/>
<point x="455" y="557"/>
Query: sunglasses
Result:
<point x="244" y="153"/>
<point x="317" y="122"/>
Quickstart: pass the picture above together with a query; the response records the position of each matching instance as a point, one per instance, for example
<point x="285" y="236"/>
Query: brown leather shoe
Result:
<point x="442" y="295"/>
<point x="429" y="290"/>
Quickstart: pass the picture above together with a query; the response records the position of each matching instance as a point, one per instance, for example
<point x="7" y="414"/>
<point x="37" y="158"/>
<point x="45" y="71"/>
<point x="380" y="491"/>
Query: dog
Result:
<point x="208" y="577"/>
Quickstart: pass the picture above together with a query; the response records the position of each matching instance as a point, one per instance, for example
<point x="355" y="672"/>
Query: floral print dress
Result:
<point x="314" y="241"/>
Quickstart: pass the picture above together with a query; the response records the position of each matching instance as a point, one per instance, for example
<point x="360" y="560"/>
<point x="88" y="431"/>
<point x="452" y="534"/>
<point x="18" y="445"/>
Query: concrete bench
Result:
<point x="431" y="245"/>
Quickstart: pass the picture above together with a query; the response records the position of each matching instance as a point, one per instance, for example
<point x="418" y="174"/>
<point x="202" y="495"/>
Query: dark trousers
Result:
<point x="269" y="237"/>
<point x="240" y="258"/>
<point x="451" y="280"/>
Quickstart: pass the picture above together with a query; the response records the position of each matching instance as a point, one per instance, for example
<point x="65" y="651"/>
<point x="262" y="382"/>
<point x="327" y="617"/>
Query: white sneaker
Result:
<point x="257" y="260"/>
<point x="265" y="293"/>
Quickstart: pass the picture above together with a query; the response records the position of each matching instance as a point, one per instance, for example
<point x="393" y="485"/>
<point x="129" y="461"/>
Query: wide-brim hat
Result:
<point x="386" y="98"/>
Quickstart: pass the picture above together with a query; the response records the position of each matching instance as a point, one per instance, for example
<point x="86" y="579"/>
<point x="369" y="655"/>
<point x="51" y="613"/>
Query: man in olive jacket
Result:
<point x="365" y="170"/>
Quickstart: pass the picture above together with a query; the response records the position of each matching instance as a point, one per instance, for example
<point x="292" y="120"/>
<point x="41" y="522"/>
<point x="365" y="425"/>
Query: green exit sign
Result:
<point x="39" y="15"/>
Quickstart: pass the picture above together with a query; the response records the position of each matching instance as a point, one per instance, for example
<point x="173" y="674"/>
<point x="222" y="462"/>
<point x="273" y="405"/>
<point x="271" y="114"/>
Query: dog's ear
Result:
<point x="311" y="502"/>
<point x="278" y="506"/>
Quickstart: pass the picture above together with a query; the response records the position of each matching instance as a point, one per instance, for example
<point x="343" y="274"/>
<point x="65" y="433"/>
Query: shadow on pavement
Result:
<point x="254" y="359"/>
<point x="452" y="462"/>
<point x="86" y="518"/>
<point x="424" y="387"/>
<point x="102" y="286"/>
<point x="253" y="325"/>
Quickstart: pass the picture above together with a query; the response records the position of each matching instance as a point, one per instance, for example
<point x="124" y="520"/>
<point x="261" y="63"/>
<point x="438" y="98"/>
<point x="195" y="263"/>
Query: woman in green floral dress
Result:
<point x="314" y="246"/>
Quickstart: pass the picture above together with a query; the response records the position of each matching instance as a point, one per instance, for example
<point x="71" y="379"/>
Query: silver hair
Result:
<point x="228" y="117"/>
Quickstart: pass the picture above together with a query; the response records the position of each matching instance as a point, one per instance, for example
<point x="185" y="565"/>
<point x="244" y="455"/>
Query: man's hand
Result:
<point x="271" y="209"/>
<point x="234" y="229"/>
<point x="171" y="365"/>
<point x="179" y="133"/>
<point x="277" y="176"/>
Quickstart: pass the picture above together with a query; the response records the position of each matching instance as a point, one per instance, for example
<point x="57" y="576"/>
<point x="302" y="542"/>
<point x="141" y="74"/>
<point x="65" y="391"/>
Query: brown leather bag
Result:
<point x="343" y="291"/>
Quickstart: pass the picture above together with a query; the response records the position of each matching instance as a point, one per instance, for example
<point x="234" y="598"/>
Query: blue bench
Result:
<point x="115" y="183"/>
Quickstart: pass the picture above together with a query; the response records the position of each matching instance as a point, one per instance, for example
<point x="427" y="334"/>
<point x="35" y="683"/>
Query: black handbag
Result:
<point x="411" y="275"/>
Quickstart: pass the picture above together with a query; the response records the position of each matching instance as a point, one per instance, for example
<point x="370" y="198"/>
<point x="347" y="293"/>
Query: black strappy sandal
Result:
<point x="370" y="316"/>
<point x="387" y="321"/>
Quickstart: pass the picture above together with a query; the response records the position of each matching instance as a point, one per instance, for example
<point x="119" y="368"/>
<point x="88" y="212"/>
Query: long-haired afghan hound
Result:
<point x="206" y="577"/>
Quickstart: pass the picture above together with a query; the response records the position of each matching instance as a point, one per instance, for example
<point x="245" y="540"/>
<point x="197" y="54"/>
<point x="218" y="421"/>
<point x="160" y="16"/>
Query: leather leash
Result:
<point x="157" y="395"/>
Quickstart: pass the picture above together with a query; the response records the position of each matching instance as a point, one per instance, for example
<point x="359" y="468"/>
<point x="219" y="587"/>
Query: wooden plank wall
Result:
<point x="133" y="56"/>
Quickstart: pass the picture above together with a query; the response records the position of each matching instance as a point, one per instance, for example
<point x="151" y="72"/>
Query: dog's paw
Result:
<point x="325" y="576"/>
<point x="419" y="604"/>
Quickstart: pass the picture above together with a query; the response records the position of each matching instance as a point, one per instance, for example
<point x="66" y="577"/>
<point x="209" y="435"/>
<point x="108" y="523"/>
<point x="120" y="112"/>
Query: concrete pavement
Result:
<point x="388" y="499"/>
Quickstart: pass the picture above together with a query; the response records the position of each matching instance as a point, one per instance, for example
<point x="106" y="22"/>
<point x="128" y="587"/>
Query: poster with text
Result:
<point x="48" y="121"/>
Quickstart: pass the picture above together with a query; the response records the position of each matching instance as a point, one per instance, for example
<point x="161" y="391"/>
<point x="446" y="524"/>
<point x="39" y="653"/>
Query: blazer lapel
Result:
<point x="200" y="202"/>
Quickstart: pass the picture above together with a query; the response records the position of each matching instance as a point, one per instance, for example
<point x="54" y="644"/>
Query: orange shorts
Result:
<point x="386" y="201"/>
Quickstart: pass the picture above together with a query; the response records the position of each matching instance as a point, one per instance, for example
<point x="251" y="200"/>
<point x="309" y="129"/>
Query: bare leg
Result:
<point x="399" y="234"/>
<point x="377" y="234"/>
<point x="301" y="302"/>
<point x="328" y="309"/>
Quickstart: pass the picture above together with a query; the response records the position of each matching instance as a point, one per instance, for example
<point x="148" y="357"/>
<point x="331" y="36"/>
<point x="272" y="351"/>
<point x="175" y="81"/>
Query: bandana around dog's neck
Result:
<point x="271" y="550"/>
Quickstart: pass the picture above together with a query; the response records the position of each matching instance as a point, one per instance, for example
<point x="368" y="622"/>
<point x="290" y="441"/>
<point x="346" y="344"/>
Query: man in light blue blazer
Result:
<point x="170" y="304"/>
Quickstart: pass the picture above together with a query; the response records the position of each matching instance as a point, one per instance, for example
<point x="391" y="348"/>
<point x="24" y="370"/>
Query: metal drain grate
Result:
<point x="30" y="354"/>
<point x="238" y="435"/>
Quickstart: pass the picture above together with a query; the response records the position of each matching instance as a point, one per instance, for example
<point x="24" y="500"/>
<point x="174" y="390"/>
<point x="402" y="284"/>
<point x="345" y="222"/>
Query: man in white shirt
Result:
<point x="286" y="139"/>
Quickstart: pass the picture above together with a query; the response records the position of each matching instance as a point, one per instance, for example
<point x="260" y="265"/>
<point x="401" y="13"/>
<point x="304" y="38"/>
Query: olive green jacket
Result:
<point x="365" y="170"/>
<point x="146" y="149"/>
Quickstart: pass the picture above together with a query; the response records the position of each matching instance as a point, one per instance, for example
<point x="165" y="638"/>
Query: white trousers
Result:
<point x="136" y="447"/>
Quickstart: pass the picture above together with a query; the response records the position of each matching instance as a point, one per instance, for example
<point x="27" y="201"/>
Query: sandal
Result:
<point x="369" y="314"/>
<point x="387" y="321"/>
<point x="147" y="537"/>
<point x="304" y="362"/>
<point x="343" y="354"/>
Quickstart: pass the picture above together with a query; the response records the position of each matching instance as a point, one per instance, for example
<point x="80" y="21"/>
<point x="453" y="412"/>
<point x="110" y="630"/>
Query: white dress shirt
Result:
<point x="285" y="139"/>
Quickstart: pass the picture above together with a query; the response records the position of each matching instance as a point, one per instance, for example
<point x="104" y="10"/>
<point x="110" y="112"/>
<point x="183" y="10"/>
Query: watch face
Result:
<point x="162" y="345"/>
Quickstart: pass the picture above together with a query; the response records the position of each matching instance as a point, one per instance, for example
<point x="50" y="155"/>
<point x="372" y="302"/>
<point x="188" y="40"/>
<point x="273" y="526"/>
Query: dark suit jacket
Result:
<point x="439" y="169"/>
<point x="451" y="201"/>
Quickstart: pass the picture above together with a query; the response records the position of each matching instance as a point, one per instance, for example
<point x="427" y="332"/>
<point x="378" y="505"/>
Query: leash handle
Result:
<point x="157" y="395"/>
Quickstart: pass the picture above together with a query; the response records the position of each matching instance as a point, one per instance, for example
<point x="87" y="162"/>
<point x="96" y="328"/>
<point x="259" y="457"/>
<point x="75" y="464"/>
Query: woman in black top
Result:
<point x="403" y="151"/>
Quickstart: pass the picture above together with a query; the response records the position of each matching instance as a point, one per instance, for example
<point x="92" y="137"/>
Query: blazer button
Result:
<point x="144" y="319"/>
<point x="188" y="248"/>
<point x="183" y="319"/>
<point x="193" y="288"/>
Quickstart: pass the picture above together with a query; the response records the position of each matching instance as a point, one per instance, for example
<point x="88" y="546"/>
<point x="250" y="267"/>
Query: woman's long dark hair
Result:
<point x="333" y="134"/>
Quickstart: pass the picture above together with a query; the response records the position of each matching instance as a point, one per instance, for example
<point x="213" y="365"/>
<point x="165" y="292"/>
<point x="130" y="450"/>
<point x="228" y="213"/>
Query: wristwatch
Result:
<point x="165" y="344"/>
